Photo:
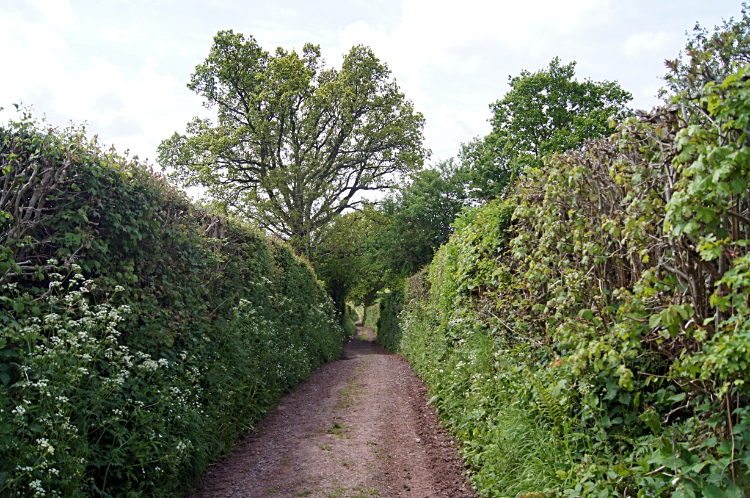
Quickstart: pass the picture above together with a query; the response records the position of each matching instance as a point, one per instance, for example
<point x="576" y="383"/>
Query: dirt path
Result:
<point x="359" y="427"/>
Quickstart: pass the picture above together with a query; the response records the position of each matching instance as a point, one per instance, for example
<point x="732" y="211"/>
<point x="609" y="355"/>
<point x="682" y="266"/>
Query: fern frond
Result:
<point x="550" y="406"/>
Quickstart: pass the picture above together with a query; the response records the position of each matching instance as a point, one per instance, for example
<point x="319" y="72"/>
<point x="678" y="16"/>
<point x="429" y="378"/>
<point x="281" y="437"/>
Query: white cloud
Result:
<point x="123" y="35"/>
<point x="647" y="44"/>
<point x="123" y="127"/>
<point x="57" y="12"/>
<point x="139" y="111"/>
<point x="134" y="109"/>
<point x="449" y="122"/>
<point x="136" y="39"/>
<point x="442" y="42"/>
<point x="441" y="24"/>
<point x="122" y="66"/>
<point x="33" y="47"/>
<point x="109" y="100"/>
<point x="30" y="35"/>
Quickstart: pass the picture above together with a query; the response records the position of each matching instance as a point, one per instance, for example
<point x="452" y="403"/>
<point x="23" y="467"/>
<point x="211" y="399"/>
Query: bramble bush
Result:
<point x="589" y="335"/>
<point x="141" y="334"/>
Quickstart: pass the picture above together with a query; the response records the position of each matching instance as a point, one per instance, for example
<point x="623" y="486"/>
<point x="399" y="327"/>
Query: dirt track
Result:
<point x="359" y="427"/>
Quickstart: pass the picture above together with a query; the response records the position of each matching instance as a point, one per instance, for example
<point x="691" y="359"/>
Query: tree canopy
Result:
<point x="343" y="260"/>
<point x="420" y="214"/>
<point x="543" y="113"/>
<point x="294" y="141"/>
<point x="708" y="57"/>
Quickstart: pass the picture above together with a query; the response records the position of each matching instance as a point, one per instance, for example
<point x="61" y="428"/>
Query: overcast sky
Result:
<point x="122" y="65"/>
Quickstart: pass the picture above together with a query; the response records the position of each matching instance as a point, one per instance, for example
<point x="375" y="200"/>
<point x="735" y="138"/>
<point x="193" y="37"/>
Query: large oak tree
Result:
<point x="294" y="141"/>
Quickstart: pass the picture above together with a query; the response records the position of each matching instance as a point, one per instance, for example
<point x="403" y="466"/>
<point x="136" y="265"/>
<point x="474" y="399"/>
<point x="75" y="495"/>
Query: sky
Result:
<point x="121" y="66"/>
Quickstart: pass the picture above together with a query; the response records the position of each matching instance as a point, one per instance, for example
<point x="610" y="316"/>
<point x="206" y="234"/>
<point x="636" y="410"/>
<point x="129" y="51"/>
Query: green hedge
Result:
<point x="388" y="326"/>
<point x="371" y="315"/>
<point x="599" y="343"/>
<point x="350" y="315"/>
<point x="141" y="334"/>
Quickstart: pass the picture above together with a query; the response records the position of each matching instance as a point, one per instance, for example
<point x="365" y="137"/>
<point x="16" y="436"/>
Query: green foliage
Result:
<point x="350" y="316"/>
<point x="388" y="325"/>
<point x="294" y="142"/>
<point x="371" y="316"/>
<point x="419" y="218"/>
<point x="596" y="343"/>
<point x="342" y="260"/>
<point x="483" y="394"/>
<point x="140" y="335"/>
<point x="709" y="57"/>
<point x="543" y="113"/>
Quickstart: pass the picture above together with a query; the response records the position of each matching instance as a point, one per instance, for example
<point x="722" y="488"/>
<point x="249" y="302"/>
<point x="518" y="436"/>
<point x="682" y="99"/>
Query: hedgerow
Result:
<point x="388" y="327"/>
<point x="371" y="315"/>
<point x="141" y="334"/>
<point x="350" y="316"/>
<point x="598" y="343"/>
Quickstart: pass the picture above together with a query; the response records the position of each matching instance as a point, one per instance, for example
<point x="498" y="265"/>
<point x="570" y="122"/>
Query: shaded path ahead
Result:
<point x="359" y="427"/>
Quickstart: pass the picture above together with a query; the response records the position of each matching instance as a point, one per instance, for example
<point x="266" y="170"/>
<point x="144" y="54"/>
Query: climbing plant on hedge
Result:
<point x="606" y="326"/>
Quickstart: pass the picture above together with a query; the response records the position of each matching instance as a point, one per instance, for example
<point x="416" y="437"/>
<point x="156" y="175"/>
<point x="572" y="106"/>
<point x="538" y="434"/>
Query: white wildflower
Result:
<point x="45" y="446"/>
<point x="149" y="365"/>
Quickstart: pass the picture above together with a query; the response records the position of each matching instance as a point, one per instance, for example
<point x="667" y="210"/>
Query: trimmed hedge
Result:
<point x="141" y="334"/>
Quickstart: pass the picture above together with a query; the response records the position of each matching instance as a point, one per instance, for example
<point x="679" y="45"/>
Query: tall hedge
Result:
<point x="141" y="334"/>
<point x="371" y="315"/>
<point x="598" y="344"/>
<point x="388" y="326"/>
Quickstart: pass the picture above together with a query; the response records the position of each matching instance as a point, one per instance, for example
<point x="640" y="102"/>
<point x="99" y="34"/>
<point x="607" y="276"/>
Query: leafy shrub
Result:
<point x="350" y="315"/>
<point x="371" y="315"/>
<point x="388" y="326"/>
<point x="598" y="343"/>
<point x="141" y="334"/>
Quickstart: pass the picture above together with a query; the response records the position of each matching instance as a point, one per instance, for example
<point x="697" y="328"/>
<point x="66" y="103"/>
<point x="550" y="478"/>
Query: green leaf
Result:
<point x="738" y="186"/>
<point x="676" y="398"/>
<point x="734" y="491"/>
<point x="712" y="491"/>
<point x="652" y="420"/>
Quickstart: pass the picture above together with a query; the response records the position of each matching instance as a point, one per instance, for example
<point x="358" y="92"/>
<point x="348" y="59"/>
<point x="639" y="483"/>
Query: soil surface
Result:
<point x="359" y="427"/>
